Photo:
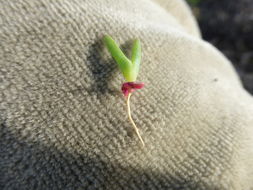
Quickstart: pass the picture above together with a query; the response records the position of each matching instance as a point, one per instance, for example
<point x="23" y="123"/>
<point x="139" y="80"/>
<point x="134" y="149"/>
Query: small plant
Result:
<point x="129" y="69"/>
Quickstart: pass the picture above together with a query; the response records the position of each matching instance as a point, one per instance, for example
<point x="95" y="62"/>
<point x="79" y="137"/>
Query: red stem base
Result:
<point x="129" y="87"/>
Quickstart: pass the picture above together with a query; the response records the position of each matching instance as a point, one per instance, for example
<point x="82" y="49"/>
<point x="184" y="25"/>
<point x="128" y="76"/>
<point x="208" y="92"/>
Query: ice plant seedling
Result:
<point x="129" y="69"/>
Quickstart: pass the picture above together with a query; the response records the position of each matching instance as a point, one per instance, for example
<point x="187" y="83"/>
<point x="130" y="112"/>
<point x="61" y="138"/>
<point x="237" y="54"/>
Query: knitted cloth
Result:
<point x="64" y="119"/>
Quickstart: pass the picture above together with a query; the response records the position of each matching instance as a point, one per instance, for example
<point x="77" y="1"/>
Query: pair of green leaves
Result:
<point x="129" y="68"/>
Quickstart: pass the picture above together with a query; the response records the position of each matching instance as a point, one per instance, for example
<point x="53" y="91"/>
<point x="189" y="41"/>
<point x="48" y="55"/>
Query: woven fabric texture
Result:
<point x="63" y="118"/>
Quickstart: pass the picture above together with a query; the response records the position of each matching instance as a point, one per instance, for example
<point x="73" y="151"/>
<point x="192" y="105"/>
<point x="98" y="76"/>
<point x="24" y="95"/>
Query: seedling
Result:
<point x="129" y="69"/>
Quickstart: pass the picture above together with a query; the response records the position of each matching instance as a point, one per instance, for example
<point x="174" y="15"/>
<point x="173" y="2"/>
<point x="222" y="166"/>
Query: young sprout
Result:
<point x="129" y="69"/>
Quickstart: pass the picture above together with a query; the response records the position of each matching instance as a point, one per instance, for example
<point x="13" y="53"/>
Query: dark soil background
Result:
<point x="228" y="25"/>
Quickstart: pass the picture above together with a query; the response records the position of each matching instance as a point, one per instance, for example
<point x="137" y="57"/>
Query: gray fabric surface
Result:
<point x="63" y="117"/>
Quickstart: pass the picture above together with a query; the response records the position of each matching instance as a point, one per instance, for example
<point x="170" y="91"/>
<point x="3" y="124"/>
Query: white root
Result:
<point x="131" y="120"/>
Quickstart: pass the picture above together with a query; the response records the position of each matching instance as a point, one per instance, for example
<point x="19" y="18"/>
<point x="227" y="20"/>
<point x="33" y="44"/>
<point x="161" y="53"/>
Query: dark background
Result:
<point x="228" y="25"/>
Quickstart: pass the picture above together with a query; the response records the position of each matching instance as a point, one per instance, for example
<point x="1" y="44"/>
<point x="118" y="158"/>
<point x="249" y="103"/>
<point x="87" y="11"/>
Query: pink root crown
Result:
<point x="129" y="87"/>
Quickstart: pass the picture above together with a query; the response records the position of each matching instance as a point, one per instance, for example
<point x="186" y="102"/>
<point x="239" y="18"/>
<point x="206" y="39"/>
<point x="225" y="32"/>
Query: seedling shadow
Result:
<point x="102" y="70"/>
